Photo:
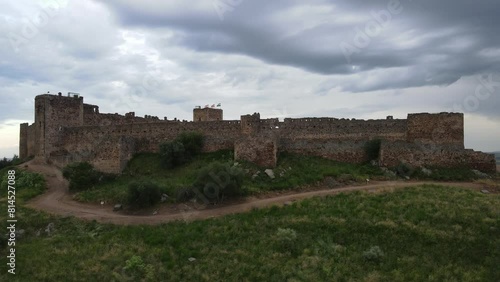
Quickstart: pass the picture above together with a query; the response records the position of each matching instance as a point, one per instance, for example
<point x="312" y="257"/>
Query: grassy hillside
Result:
<point x="292" y="171"/>
<point x="428" y="233"/>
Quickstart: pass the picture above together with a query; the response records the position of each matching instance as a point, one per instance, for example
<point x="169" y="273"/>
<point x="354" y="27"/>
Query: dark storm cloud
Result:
<point x="449" y="36"/>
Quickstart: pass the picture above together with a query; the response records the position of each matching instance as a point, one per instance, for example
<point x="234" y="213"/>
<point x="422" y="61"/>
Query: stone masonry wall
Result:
<point x="419" y="155"/>
<point x="67" y="130"/>
<point x="443" y="128"/>
<point x="105" y="147"/>
<point x="207" y="114"/>
<point x="260" y="150"/>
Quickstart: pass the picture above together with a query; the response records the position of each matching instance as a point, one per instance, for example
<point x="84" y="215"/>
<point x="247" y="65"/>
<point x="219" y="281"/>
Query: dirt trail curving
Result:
<point x="57" y="200"/>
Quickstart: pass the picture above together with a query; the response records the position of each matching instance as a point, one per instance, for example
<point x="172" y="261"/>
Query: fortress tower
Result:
<point x="52" y="114"/>
<point x="207" y="114"/>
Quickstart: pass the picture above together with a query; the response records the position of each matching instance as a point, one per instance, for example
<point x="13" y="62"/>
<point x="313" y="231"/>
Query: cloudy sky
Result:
<point x="282" y="58"/>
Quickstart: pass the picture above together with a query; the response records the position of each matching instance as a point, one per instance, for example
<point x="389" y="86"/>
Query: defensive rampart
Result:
<point x="67" y="130"/>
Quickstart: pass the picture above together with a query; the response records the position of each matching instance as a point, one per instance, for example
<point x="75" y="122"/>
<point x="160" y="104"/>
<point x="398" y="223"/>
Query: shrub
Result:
<point x="219" y="180"/>
<point x="143" y="194"/>
<point x="172" y="154"/>
<point x="372" y="149"/>
<point x="27" y="184"/>
<point x="181" y="150"/>
<point x="81" y="176"/>
<point x="373" y="254"/>
<point x="286" y="238"/>
<point x="185" y="194"/>
<point x="12" y="162"/>
<point x="404" y="169"/>
<point x="193" y="143"/>
<point x="137" y="269"/>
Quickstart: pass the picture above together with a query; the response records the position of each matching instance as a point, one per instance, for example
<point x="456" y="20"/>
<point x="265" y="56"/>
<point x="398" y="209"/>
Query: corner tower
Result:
<point x="52" y="114"/>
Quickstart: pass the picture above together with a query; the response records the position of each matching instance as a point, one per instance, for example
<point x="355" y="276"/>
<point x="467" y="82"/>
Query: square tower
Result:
<point x="207" y="114"/>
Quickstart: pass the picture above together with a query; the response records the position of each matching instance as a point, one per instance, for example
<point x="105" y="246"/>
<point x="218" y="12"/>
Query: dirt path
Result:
<point x="57" y="200"/>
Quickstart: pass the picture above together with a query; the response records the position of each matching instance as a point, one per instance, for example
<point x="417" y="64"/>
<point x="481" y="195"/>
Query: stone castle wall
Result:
<point x="67" y="130"/>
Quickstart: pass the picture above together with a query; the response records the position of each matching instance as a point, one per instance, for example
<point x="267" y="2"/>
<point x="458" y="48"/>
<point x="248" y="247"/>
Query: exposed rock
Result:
<point x="484" y="191"/>
<point x="426" y="171"/>
<point x="289" y="203"/>
<point x="191" y="259"/>
<point x="389" y="173"/>
<point x="236" y="163"/>
<point x="407" y="177"/>
<point x="117" y="207"/>
<point x="480" y="174"/>
<point x="374" y="162"/>
<point x="155" y="212"/>
<point x="19" y="233"/>
<point x="164" y="198"/>
<point x="49" y="228"/>
<point x="255" y="175"/>
<point x="270" y="173"/>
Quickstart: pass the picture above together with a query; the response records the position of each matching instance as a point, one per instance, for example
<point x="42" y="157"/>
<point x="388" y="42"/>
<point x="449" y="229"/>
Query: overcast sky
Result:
<point x="282" y="58"/>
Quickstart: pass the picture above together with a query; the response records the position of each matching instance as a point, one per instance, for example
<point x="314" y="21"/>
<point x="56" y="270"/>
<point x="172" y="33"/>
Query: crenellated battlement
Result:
<point x="68" y="130"/>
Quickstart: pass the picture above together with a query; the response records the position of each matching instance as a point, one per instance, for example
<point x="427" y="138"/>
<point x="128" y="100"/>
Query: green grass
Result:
<point x="27" y="184"/>
<point x="291" y="172"/>
<point x="427" y="233"/>
<point x="446" y="174"/>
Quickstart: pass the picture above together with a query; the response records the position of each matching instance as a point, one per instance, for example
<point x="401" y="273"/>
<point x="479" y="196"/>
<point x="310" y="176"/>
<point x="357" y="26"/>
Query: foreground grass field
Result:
<point x="429" y="233"/>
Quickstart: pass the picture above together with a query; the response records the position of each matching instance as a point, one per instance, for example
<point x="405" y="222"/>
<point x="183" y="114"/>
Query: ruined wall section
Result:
<point x="92" y="116"/>
<point x="260" y="150"/>
<point x="428" y="154"/>
<point x="337" y="139"/>
<point x="343" y="129"/>
<point x="23" y="141"/>
<point x="110" y="147"/>
<point x="442" y="129"/>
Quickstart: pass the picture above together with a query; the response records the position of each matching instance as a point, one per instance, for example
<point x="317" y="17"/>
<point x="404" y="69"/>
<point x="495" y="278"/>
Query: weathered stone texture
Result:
<point x="67" y="130"/>
<point x="443" y="128"/>
<point x="207" y="114"/>
<point x="260" y="150"/>
<point x="420" y="155"/>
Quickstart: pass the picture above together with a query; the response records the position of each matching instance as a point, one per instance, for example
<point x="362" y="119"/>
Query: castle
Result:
<point x="66" y="130"/>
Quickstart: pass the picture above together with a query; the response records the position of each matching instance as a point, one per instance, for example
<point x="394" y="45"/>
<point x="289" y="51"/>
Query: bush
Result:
<point x="373" y="254"/>
<point x="138" y="270"/>
<point x="81" y="176"/>
<point x="172" y="154"/>
<point x="27" y="184"/>
<point x="372" y="149"/>
<point x="143" y="194"/>
<point x="12" y="162"/>
<point x="404" y="170"/>
<point x="185" y="194"/>
<point x="219" y="180"/>
<point x="181" y="150"/>
<point x="286" y="238"/>
<point x="193" y="143"/>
